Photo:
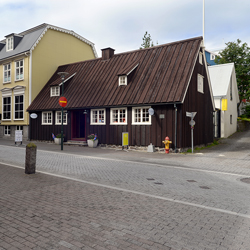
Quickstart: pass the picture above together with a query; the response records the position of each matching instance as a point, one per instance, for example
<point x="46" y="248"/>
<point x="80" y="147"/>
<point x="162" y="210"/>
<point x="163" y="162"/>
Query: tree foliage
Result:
<point x="147" y="41"/>
<point x="239" y="54"/>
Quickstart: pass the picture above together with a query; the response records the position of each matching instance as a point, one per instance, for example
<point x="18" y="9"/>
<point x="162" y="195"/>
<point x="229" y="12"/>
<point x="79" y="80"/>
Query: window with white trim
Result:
<point x="200" y="58"/>
<point x="46" y="118"/>
<point x="7" y="108"/>
<point x="6" y="73"/>
<point x="59" y="118"/>
<point x="9" y="44"/>
<point x="55" y="91"/>
<point x="19" y="107"/>
<point x="140" y="115"/>
<point x="98" y="117"/>
<point x="118" y="116"/>
<point x="212" y="57"/>
<point x="7" y="130"/>
<point x="19" y="70"/>
<point x="122" y="80"/>
<point x="200" y="83"/>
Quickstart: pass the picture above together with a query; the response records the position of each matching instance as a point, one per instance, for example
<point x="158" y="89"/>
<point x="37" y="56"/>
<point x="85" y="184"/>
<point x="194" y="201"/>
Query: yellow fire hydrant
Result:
<point x="167" y="142"/>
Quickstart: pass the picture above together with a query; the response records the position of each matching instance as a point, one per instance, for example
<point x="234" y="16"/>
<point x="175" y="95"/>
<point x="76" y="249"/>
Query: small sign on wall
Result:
<point x="224" y="104"/>
<point x="124" y="139"/>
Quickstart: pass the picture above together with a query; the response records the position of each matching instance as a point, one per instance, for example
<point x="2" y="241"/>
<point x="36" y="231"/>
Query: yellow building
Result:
<point x="27" y="61"/>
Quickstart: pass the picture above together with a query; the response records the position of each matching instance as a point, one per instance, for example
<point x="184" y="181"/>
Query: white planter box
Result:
<point x="57" y="141"/>
<point x="92" y="144"/>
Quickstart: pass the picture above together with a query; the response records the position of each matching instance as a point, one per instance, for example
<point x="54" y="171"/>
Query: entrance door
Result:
<point x="78" y="129"/>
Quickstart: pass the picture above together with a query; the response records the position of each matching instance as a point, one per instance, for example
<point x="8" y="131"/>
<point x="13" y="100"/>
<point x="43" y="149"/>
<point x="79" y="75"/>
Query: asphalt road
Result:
<point x="85" y="198"/>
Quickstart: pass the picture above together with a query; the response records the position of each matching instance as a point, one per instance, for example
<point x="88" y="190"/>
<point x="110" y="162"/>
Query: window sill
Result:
<point x="6" y="82"/>
<point x="117" y="123"/>
<point x="19" y="80"/>
<point x="97" y="123"/>
<point x="141" y="123"/>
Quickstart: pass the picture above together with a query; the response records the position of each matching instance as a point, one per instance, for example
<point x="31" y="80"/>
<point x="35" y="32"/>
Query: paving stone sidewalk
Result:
<point x="46" y="212"/>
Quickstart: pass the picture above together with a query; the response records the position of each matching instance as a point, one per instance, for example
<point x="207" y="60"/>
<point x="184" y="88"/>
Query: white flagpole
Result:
<point x="204" y="23"/>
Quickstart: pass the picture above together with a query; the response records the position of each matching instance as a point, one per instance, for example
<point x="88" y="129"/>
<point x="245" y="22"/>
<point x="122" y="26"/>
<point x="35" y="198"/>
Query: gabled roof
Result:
<point x="162" y="76"/>
<point x="32" y="37"/>
<point x="220" y="76"/>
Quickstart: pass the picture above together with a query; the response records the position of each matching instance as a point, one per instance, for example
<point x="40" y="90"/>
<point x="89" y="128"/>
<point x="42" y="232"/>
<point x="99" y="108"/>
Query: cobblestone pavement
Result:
<point x="122" y="200"/>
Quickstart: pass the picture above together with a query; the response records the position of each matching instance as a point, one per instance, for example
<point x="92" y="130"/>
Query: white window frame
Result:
<point x="120" y="116"/>
<point x="3" y="112"/>
<point x="99" y="113"/>
<point x="46" y="122"/>
<point x="8" y="72"/>
<point x="8" y="130"/>
<point x="123" y="80"/>
<point x="140" y="118"/>
<point x="212" y="57"/>
<point x="200" y="58"/>
<point x="18" y="119"/>
<point x="55" y="91"/>
<point x="58" y="118"/>
<point x="18" y="69"/>
<point x="9" y="43"/>
<point x="200" y="83"/>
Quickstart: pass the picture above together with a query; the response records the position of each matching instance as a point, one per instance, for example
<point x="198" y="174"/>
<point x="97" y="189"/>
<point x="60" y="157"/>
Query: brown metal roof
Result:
<point x="162" y="76"/>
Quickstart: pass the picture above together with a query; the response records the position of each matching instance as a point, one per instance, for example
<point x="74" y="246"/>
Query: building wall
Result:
<point x="200" y="103"/>
<point x="55" y="48"/>
<point x="25" y="83"/>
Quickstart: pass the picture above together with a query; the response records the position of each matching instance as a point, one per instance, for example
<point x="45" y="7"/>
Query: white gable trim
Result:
<point x="67" y="32"/>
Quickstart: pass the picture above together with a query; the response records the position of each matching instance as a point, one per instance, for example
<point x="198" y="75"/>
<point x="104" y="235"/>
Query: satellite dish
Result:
<point x="151" y="111"/>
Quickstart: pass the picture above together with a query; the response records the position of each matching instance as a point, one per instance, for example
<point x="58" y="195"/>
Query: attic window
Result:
<point x="200" y="84"/>
<point x="55" y="91"/>
<point x="10" y="43"/>
<point x="200" y="58"/>
<point x="122" y="80"/>
<point x="212" y="57"/>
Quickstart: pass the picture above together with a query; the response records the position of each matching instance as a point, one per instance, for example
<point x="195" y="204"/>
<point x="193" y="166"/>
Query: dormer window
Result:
<point x="212" y="57"/>
<point x="55" y="91"/>
<point x="122" y="80"/>
<point x="9" y="43"/>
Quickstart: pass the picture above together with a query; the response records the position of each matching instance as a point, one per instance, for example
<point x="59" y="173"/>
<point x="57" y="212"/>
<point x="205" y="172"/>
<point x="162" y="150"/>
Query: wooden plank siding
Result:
<point x="165" y="76"/>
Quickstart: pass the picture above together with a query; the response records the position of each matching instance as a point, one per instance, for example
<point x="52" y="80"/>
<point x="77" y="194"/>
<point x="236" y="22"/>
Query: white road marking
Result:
<point x="144" y="194"/>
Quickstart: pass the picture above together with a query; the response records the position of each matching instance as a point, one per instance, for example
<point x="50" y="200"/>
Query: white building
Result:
<point x="226" y="98"/>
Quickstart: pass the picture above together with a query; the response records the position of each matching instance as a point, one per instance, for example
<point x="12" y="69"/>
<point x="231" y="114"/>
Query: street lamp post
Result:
<point x="62" y="75"/>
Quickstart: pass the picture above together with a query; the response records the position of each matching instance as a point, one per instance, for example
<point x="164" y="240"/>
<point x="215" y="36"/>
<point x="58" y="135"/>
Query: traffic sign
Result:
<point x="191" y="114"/>
<point x="192" y="123"/>
<point x="63" y="101"/>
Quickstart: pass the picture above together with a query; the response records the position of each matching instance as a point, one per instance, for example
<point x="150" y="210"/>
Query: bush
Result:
<point x="247" y="111"/>
<point x="59" y="136"/>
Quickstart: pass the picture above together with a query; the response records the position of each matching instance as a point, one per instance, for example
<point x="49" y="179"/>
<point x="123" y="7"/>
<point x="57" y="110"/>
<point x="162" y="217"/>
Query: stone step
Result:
<point x="79" y="143"/>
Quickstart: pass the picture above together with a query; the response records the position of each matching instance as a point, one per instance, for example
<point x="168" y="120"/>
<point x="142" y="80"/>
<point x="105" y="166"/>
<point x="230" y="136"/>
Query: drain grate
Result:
<point x="191" y="181"/>
<point x="150" y="179"/>
<point x="158" y="183"/>
<point x="204" y="187"/>
<point x="246" y="180"/>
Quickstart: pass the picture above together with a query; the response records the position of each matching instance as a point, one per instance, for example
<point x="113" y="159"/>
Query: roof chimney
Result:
<point x="107" y="53"/>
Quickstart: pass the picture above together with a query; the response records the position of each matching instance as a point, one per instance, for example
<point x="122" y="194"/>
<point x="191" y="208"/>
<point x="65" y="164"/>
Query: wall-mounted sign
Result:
<point x="63" y="101"/>
<point x="191" y="114"/>
<point x="162" y="116"/>
<point x="124" y="138"/>
<point x="224" y="104"/>
<point x="33" y="115"/>
<point x="151" y="111"/>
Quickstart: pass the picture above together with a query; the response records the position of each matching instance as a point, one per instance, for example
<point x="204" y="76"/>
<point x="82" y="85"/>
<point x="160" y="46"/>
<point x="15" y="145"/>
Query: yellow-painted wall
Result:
<point x="56" y="48"/>
<point x="12" y="84"/>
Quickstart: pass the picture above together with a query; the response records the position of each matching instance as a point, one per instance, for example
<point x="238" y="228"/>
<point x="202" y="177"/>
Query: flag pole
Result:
<point x="204" y="23"/>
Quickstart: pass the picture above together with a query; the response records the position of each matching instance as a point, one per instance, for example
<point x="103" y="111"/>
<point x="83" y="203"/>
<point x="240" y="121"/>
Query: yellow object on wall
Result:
<point x="224" y="105"/>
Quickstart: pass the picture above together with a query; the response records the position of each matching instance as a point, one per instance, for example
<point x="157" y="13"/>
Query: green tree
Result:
<point x="147" y="41"/>
<point x="239" y="54"/>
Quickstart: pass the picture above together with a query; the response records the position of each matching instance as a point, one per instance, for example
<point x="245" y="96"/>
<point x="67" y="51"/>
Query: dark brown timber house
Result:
<point x="113" y="94"/>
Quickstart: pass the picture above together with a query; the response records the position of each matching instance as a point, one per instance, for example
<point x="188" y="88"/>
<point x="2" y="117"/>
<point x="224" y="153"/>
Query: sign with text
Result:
<point x="18" y="135"/>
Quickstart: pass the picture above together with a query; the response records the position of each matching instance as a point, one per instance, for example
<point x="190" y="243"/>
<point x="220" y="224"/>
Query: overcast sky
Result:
<point x="121" y="24"/>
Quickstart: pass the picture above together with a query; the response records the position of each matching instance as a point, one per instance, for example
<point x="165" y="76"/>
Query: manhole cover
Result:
<point x="246" y="180"/>
<point x="191" y="180"/>
<point x="150" y="179"/>
<point x="158" y="183"/>
<point x="204" y="187"/>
